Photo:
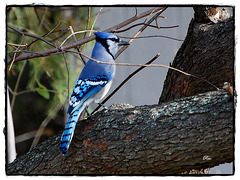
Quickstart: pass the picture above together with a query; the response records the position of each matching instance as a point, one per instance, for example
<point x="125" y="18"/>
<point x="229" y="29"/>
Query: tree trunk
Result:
<point x="207" y="52"/>
<point x="190" y="133"/>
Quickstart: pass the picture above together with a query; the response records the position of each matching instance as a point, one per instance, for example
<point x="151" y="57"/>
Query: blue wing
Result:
<point x="85" y="89"/>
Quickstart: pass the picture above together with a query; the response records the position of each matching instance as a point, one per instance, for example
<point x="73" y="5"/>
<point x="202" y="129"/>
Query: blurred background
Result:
<point x="38" y="88"/>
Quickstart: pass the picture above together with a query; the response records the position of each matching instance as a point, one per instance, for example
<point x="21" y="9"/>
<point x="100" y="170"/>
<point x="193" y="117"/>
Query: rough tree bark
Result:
<point x="207" y="52"/>
<point x="189" y="133"/>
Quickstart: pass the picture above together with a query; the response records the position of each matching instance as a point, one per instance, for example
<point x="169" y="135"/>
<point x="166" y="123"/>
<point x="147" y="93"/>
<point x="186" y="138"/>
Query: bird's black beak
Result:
<point x="123" y="43"/>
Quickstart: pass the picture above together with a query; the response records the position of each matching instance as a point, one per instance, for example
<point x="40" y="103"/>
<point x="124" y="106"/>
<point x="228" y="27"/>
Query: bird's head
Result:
<point x="110" y="42"/>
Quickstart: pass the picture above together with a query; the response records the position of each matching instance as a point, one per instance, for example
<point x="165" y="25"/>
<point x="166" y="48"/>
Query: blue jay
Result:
<point x="93" y="83"/>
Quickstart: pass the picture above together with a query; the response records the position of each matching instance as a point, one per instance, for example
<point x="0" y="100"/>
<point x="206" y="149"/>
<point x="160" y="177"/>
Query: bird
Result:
<point x="93" y="83"/>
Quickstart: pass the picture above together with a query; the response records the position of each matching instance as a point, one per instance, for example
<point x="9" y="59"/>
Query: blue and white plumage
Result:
<point x="94" y="82"/>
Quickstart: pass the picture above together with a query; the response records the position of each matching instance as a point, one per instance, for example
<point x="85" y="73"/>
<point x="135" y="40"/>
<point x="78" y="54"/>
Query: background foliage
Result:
<point x="39" y="88"/>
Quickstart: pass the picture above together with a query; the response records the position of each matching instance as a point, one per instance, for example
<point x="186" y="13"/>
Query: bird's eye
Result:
<point x="114" y="39"/>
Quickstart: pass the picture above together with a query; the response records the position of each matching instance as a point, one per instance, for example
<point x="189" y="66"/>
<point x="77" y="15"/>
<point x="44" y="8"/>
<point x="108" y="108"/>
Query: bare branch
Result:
<point x="65" y="60"/>
<point x="30" y="90"/>
<point x="17" y="50"/>
<point x="95" y="20"/>
<point x="19" y="45"/>
<point x="55" y="50"/>
<point x="78" y="48"/>
<point x="31" y="35"/>
<point x="88" y="24"/>
<point x="136" y="11"/>
<point x="88" y="21"/>
<point x="17" y="84"/>
<point x="140" y="24"/>
<point x="25" y="136"/>
<point x="73" y="34"/>
<point x="44" y="25"/>
<point x="44" y="123"/>
<point x="141" y="30"/>
<point x="153" y="36"/>
<point x="20" y="51"/>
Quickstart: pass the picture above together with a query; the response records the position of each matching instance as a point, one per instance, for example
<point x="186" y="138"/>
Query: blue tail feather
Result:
<point x="69" y="131"/>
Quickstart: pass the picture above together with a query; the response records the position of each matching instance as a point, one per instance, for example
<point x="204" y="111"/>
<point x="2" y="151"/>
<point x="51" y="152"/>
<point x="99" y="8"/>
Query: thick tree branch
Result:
<point x="190" y="133"/>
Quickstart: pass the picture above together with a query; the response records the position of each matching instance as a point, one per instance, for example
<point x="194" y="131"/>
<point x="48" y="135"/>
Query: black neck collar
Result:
<point x="105" y="45"/>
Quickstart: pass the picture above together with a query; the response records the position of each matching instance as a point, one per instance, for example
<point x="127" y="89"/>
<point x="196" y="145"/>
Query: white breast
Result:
<point x="102" y="92"/>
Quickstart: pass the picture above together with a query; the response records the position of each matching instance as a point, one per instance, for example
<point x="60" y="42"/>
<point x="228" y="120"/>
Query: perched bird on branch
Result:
<point x="94" y="82"/>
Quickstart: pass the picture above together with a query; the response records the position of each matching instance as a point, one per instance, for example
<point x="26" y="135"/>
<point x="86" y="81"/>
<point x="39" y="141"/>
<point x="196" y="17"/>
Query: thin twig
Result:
<point x="153" y="11"/>
<point x="65" y="60"/>
<point x="52" y="31"/>
<point x="30" y="90"/>
<point x="44" y="123"/>
<point x="156" y="20"/>
<point x="31" y="35"/>
<point x="45" y="26"/>
<point x="95" y="20"/>
<point x="87" y="28"/>
<point x="17" y="84"/>
<point x="10" y="89"/>
<point x="14" y="56"/>
<point x="136" y="11"/>
<point x="63" y="32"/>
<point x="41" y="21"/>
<point x="78" y="49"/>
<point x="25" y="136"/>
<point x="20" y="51"/>
<point x="88" y="21"/>
<point x="152" y="36"/>
<point x="72" y="34"/>
<point x="125" y="81"/>
<point x="88" y="24"/>
<point x="140" y="24"/>
<point x="74" y="37"/>
<point x="19" y="45"/>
